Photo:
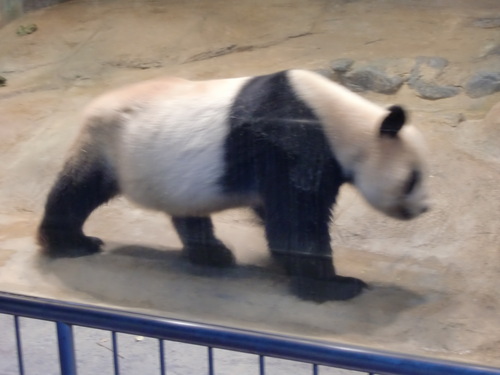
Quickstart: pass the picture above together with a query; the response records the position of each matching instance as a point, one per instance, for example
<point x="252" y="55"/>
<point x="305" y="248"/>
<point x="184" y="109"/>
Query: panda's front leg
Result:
<point x="297" y="231"/>
<point x="312" y="278"/>
<point x="200" y="244"/>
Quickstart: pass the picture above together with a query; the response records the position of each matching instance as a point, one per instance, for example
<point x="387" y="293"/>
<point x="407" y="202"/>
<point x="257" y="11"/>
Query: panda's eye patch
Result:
<point x="411" y="182"/>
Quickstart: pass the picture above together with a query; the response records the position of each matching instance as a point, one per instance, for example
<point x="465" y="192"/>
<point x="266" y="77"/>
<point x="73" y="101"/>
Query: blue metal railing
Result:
<point x="212" y="336"/>
<point x="18" y="345"/>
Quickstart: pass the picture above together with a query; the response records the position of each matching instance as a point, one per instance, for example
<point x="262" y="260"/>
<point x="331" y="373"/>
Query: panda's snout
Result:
<point x="405" y="213"/>
<point x="424" y="209"/>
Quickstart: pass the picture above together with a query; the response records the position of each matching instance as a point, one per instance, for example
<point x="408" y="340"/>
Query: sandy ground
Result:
<point x="435" y="280"/>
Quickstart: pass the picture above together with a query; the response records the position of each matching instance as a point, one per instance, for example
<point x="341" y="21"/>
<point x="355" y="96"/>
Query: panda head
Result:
<point x="391" y="173"/>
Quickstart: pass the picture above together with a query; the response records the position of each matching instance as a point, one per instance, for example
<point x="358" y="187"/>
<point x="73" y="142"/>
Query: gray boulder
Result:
<point x="482" y="84"/>
<point x="432" y="91"/>
<point x="487" y="22"/>
<point x="370" y="78"/>
<point x="424" y="79"/>
<point x="341" y="66"/>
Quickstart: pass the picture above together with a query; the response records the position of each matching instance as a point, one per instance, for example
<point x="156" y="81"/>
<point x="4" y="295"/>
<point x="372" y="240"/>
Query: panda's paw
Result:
<point x="336" y="288"/>
<point x="74" y="247"/>
<point x="213" y="255"/>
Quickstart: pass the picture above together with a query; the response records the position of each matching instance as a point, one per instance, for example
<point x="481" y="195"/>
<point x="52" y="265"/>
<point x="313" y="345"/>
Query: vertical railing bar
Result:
<point x="315" y="369"/>
<point x="262" y="365"/>
<point x="116" y="365"/>
<point x="210" y="360"/>
<point x="163" y="369"/>
<point x="19" y="345"/>
<point x="66" y="345"/>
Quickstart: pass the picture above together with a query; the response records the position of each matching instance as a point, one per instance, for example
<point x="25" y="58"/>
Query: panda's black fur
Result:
<point x="277" y="158"/>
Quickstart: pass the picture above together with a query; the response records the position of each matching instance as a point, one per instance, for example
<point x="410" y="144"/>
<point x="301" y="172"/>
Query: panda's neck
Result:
<point x="350" y="122"/>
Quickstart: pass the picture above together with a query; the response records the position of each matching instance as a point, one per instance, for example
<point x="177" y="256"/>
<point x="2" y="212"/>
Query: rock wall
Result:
<point x="12" y="9"/>
<point x="434" y="280"/>
<point x="428" y="76"/>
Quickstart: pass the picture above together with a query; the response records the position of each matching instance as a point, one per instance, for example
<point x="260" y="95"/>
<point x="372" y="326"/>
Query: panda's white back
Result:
<point x="166" y="141"/>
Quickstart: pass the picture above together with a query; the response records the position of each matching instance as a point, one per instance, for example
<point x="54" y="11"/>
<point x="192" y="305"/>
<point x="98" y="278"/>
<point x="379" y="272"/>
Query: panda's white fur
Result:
<point x="168" y="145"/>
<point x="164" y="139"/>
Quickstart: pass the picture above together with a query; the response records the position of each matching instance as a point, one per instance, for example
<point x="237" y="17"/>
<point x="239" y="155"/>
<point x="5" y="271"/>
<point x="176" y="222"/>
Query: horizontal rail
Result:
<point x="286" y="347"/>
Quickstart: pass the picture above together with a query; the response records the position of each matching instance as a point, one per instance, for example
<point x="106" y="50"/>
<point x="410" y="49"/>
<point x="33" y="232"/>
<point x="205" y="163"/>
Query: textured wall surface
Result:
<point x="434" y="280"/>
<point x="12" y="9"/>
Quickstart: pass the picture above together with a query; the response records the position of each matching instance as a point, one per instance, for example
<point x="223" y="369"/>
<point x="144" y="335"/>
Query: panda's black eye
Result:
<point x="412" y="182"/>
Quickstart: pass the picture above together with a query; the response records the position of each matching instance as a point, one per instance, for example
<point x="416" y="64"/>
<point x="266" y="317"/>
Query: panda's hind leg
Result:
<point x="82" y="186"/>
<point x="200" y="244"/>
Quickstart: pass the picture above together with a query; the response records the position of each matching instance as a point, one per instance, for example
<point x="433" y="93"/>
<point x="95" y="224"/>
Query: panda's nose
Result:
<point x="424" y="209"/>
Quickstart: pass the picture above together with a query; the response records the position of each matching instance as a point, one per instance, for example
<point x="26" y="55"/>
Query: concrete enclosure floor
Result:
<point x="434" y="280"/>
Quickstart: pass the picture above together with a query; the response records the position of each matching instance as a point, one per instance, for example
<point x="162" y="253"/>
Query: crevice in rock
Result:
<point x="234" y="48"/>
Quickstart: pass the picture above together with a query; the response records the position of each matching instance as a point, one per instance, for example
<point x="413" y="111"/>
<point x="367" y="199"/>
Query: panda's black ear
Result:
<point x="394" y="121"/>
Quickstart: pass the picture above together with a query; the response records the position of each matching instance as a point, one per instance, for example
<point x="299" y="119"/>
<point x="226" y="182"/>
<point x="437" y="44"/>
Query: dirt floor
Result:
<point x="435" y="280"/>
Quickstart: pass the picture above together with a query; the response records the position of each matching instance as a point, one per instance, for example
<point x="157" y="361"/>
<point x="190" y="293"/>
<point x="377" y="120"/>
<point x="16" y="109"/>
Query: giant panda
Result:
<point x="281" y="144"/>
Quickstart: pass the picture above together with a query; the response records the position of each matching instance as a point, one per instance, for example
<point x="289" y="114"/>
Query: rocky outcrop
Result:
<point x="425" y="75"/>
<point x="374" y="76"/>
<point x="482" y="84"/>
<point x="374" y="79"/>
<point x="424" y="79"/>
<point x="487" y="22"/>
